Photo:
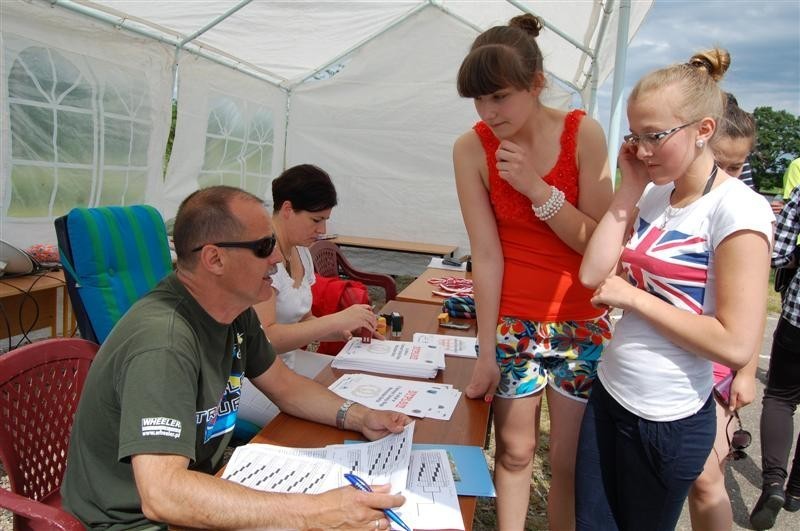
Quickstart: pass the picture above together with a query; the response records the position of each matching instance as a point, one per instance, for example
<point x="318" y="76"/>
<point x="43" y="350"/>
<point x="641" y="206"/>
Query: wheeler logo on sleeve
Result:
<point x="161" y="426"/>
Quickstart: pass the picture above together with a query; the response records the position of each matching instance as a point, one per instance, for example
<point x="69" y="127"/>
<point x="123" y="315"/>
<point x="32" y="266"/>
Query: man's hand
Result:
<point x="349" y="508"/>
<point x="376" y="424"/>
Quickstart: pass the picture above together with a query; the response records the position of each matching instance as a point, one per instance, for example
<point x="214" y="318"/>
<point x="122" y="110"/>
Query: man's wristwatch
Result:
<point x="342" y="413"/>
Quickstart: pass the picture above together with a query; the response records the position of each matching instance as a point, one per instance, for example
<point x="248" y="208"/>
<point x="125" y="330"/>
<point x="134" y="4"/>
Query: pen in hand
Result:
<point x="360" y="484"/>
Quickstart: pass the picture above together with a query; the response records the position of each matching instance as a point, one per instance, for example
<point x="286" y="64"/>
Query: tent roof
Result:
<point x="288" y="41"/>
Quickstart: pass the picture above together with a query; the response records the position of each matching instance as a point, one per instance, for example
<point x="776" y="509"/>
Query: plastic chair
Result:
<point x="111" y="256"/>
<point x="40" y="385"/>
<point x="330" y="262"/>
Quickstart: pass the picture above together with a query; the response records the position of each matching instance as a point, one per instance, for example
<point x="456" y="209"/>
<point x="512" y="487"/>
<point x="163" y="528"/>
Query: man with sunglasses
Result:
<point x="161" y="398"/>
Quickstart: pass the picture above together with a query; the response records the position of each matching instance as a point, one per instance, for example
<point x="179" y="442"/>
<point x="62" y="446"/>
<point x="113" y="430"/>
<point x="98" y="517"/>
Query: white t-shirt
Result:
<point x="671" y="255"/>
<point x="292" y="303"/>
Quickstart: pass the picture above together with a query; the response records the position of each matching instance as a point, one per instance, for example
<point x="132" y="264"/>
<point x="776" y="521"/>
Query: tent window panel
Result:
<point x="232" y="179"/>
<point x="256" y="185"/>
<point x="215" y="152"/>
<point x="232" y="161"/>
<point x="74" y="190"/>
<point x="266" y="161"/>
<point x="207" y="179"/>
<point x="120" y="143"/>
<point x="31" y="190"/>
<point x="75" y="137"/>
<point x="123" y="187"/>
<point x="31" y="132"/>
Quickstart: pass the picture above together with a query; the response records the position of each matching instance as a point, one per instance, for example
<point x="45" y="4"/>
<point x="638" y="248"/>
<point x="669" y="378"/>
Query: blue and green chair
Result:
<point x="112" y="256"/>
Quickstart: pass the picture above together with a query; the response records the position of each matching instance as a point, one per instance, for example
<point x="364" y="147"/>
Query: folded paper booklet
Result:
<point x="422" y="476"/>
<point x="398" y="358"/>
<point x="414" y="398"/>
<point x="462" y="347"/>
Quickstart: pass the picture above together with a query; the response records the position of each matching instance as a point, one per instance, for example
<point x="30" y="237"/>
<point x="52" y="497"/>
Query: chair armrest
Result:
<point x="42" y="515"/>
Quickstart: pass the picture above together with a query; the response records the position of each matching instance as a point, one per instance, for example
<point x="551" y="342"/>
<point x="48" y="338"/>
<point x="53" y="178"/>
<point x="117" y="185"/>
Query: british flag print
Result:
<point x="669" y="264"/>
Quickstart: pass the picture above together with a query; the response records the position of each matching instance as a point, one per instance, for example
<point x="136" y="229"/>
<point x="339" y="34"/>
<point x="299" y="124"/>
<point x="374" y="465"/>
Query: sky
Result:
<point x="762" y="37"/>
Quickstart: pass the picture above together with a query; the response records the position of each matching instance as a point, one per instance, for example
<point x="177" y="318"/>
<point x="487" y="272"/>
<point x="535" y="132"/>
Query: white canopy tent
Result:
<point x="364" y="89"/>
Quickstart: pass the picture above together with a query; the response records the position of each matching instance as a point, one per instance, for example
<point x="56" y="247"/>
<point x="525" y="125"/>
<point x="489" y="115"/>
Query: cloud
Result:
<point x="761" y="36"/>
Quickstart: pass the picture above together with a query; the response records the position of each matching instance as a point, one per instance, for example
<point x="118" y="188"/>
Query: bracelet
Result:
<point x="342" y="413"/>
<point x="550" y="207"/>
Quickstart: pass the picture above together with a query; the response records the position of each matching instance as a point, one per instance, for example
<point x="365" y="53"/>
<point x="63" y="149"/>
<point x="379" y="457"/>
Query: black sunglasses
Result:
<point x="261" y="248"/>
<point x="740" y="440"/>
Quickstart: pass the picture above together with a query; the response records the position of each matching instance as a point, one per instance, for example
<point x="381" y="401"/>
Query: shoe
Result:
<point x="767" y="507"/>
<point x="792" y="503"/>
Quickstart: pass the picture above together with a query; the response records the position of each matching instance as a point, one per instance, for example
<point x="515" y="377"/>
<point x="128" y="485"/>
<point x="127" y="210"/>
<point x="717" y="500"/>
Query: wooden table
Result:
<point x="421" y="291"/>
<point x="394" y="245"/>
<point x="468" y="425"/>
<point x="22" y="297"/>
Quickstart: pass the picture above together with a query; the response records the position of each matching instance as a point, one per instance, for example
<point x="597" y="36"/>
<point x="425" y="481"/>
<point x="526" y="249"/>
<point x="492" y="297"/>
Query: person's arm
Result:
<point x="336" y="326"/>
<point x="304" y="398"/>
<point x="729" y="337"/>
<point x="743" y="386"/>
<point x="173" y="494"/>
<point x="574" y="226"/>
<point x="602" y="253"/>
<point x="487" y="259"/>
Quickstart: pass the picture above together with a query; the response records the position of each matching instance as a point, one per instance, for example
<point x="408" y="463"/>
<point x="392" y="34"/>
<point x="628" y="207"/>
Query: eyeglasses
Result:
<point x="740" y="440"/>
<point x="653" y="139"/>
<point x="261" y="248"/>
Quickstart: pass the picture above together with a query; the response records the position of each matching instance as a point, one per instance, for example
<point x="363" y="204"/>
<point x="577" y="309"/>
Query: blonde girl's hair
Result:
<point x="697" y="81"/>
<point x="502" y="57"/>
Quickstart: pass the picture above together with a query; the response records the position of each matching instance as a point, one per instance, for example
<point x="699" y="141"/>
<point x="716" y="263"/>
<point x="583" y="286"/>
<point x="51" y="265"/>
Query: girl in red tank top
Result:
<point x="532" y="182"/>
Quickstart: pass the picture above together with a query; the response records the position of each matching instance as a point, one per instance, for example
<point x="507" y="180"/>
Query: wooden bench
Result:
<point x="393" y="245"/>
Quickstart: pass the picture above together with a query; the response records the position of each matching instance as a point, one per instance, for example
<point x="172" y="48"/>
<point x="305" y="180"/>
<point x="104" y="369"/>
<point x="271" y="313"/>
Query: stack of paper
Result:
<point x="423" y="476"/>
<point x="416" y="399"/>
<point x="462" y="347"/>
<point x="399" y="358"/>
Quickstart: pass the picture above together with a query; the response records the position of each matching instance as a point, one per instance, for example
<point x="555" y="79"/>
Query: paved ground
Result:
<point x="743" y="479"/>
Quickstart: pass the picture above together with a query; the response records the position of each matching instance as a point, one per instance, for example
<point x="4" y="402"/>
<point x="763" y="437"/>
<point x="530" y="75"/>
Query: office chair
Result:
<point x="111" y="257"/>
<point x="40" y="385"/>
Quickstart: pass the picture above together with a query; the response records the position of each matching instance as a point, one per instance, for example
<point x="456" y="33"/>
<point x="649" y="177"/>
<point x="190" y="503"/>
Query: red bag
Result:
<point x="331" y="295"/>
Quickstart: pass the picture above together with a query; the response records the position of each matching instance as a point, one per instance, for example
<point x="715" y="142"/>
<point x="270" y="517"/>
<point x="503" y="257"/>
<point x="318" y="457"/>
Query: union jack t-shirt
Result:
<point x="671" y="255"/>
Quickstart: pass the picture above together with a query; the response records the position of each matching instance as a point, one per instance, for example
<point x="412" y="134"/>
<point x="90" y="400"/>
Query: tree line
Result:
<point x="777" y="144"/>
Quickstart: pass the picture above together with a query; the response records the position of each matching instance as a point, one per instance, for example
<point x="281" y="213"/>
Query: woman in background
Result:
<point x="709" y="503"/>
<point x="693" y="291"/>
<point x="532" y="182"/>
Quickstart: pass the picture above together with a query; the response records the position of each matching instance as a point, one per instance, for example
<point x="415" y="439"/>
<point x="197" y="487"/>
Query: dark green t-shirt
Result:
<point x="166" y="381"/>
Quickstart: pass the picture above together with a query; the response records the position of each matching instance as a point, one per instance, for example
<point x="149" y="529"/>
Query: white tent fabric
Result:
<point x="364" y="89"/>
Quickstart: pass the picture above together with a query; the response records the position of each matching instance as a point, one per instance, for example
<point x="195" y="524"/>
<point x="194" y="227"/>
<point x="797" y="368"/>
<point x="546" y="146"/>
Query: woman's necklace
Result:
<point x="671" y="211"/>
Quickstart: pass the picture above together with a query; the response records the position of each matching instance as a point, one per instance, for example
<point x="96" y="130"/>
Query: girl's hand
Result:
<point x="634" y="171"/>
<point x="515" y="167"/>
<point x="743" y="391"/>
<point x="615" y="292"/>
<point x="485" y="379"/>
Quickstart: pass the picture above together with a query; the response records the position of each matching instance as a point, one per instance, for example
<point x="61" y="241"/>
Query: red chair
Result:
<point x="330" y="262"/>
<point x="40" y="385"/>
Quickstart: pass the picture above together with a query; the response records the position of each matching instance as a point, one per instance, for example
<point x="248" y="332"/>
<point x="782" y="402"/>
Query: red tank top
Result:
<point x="540" y="272"/>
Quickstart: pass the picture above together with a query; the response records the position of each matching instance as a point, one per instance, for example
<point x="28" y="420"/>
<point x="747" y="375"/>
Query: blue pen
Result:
<point x="360" y="484"/>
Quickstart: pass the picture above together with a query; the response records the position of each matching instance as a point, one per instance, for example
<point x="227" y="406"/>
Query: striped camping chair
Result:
<point x="111" y="257"/>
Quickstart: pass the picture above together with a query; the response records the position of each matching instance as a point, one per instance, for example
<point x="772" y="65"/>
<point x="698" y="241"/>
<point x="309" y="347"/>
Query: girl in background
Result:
<point x="693" y="291"/>
<point x="532" y="182"/>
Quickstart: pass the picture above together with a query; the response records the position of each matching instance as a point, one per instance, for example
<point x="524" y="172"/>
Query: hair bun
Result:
<point x="715" y="62"/>
<point x="528" y="23"/>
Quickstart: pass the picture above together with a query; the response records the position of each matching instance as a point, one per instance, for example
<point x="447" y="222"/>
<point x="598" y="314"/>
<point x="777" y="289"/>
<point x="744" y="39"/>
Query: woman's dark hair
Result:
<point x="736" y="122"/>
<point x="501" y="57"/>
<point x="306" y="186"/>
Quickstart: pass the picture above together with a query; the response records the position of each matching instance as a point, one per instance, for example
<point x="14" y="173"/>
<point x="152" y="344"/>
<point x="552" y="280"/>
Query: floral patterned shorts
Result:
<point x="565" y="354"/>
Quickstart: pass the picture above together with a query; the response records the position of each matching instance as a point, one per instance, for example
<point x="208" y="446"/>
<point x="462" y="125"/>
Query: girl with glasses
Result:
<point x="532" y="181"/>
<point x="709" y="503"/>
<point x="691" y="245"/>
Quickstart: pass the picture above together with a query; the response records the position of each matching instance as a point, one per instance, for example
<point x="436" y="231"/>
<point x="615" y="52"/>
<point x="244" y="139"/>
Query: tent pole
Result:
<point x="364" y="42"/>
<point x="554" y="29"/>
<point x="619" y="81"/>
<point x="214" y="22"/>
<point x="608" y="9"/>
<point x="121" y="22"/>
<point x="478" y="29"/>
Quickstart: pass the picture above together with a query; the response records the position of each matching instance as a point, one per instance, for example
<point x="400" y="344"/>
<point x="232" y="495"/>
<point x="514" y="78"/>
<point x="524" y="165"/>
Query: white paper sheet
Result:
<point x="416" y="399"/>
<point x="462" y="347"/>
<point x="399" y="358"/>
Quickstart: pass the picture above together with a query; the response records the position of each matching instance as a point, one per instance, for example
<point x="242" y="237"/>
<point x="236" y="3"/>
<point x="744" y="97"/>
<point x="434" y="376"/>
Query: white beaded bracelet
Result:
<point x="342" y="413"/>
<point x="550" y="207"/>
